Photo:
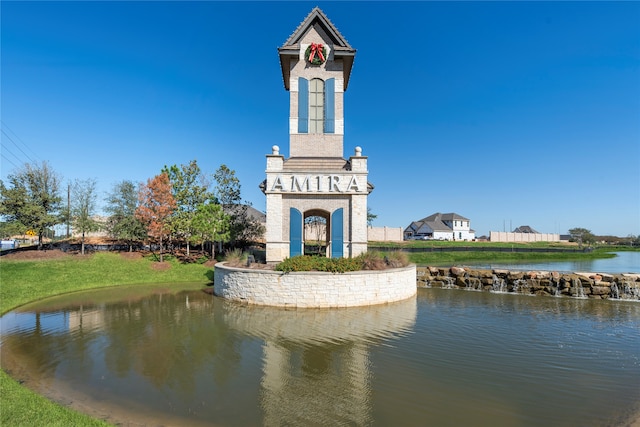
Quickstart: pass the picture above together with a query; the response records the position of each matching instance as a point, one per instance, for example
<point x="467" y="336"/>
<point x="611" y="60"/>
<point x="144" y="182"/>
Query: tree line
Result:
<point x="180" y="207"/>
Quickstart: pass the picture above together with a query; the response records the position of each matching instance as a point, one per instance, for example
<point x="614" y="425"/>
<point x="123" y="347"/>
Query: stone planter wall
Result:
<point x="579" y="285"/>
<point x="314" y="289"/>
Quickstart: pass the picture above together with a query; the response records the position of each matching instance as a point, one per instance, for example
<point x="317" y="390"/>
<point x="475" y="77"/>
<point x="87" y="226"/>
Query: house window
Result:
<point x="316" y="106"/>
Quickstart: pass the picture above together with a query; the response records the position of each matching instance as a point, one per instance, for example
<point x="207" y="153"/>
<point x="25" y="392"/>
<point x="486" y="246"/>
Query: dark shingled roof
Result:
<point x="436" y="222"/>
<point x="525" y="229"/>
<point x="342" y="50"/>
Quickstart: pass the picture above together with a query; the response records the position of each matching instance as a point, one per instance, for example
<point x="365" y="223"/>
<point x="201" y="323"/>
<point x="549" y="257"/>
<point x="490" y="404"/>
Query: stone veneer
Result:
<point x="313" y="288"/>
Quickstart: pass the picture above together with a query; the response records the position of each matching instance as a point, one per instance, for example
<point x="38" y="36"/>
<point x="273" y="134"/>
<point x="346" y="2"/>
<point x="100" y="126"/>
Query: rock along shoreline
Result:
<point x="549" y="283"/>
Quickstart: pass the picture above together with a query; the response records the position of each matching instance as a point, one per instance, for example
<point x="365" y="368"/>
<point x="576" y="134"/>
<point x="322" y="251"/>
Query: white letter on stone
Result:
<point x="300" y="185"/>
<point x="334" y="180"/>
<point x="277" y="184"/>
<point x="353" y="184"/>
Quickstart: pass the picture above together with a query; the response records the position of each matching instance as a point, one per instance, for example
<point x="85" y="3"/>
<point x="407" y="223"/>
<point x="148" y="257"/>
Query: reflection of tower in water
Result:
<point x="321" y="384"/>
<point x="316" y="361"/>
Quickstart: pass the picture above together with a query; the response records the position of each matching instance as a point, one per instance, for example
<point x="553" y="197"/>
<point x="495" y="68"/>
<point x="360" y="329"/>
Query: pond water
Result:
<point x="176" y="355"/>
<point x="623" y="262"/>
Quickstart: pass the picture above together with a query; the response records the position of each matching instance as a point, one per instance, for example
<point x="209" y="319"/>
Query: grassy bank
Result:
<point x="444" y="258"/>
<point x="25" y="281"/>
<point x="441" y="256"/>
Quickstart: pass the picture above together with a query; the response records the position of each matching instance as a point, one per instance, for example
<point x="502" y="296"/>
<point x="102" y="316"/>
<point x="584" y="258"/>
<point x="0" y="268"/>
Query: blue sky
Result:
<point x="507" y="113"/>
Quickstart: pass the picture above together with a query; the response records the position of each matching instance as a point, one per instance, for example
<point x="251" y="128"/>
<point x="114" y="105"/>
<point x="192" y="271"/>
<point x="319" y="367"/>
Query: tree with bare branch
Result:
<point x="83" y="208"/>
<point x="122" y="223"/>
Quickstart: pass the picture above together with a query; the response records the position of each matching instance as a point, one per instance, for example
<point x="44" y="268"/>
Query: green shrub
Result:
<point x="316" y="263"/>
<point x="366" y="261"/>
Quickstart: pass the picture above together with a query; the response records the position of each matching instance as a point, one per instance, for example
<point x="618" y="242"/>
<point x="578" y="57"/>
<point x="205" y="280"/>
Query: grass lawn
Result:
<point x="443" y="257"/>
<point x="452" y="258"/>
<point x="28" y="280"/>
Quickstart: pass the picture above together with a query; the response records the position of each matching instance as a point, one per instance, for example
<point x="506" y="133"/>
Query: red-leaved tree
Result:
<point x="156" y="204"/>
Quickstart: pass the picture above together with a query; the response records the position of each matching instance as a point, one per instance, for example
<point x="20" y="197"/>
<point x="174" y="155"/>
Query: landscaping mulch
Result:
<point x="32" y="254"/>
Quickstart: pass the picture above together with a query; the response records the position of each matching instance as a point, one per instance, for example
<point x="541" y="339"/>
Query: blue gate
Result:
<point x="337" y="235"/>
<point x="295" y="232"/>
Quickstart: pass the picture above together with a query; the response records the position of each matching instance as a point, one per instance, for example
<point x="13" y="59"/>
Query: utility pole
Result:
<point x="68" y="208"/>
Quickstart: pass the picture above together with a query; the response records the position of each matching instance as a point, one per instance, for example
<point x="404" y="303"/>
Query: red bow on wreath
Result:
<point x="316" y="48"/>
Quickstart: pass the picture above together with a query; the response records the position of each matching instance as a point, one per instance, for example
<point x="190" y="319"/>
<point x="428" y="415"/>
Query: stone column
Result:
<point x="277" y="248"/>
<point x="359" y="206"/>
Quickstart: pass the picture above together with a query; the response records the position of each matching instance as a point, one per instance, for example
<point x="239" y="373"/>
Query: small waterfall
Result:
<point x="630" y="291"/>
<point x="474" y="284"/>
<point x="620" y="287"/>
<point x="516" y="286"/>
<point x="578" y="290"/>
<point x="556" y="291"/>
<point x="522" y="286"/>
<point x="555" y="287"/>
<point x="448" y="283"/>
<point x="499" y="285"/>
<point x="615" y="292"/>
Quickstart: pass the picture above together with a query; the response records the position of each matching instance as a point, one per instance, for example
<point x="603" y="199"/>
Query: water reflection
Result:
<point x="179" y="356"/>
<point x="312" y="326"/>
<point x="175" y="354"/>
<point x="315" y="362"/>
<point x="575" y="359"/>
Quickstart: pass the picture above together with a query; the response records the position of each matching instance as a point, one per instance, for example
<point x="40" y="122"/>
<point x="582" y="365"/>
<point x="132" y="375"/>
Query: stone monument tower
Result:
<point x="316" y="180"/>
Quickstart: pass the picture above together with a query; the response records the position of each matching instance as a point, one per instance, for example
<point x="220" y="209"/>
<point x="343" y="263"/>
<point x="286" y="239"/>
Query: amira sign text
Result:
<point x="332" y="183"/>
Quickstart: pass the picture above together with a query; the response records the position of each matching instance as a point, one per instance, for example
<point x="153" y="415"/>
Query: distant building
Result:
<point x="252" y="213"/>
<point x="439" y="226"/>
<point x="525" y="229"/>
<point x="8" y="244"/>
<point x="101" y="233"/>
<point x="523" y="234"/>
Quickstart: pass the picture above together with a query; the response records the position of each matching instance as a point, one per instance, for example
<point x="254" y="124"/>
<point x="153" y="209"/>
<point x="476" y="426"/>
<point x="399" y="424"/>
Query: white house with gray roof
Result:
<point x="439" y="226"/>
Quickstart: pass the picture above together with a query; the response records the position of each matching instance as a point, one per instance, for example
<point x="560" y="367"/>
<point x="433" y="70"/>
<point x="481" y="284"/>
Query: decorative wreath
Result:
<point x="316" y="54"/>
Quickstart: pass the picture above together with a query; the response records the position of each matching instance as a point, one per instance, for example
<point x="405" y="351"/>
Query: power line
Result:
<point x="10" y="152"/>
<point x="17" y="146"/>
<point x="5" y="157"/>
<point x="4" y="125"/>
